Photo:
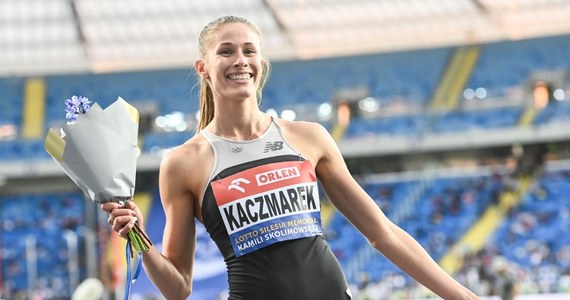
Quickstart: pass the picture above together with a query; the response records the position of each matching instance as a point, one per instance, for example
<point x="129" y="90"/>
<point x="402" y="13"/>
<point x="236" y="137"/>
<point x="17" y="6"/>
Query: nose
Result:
<point x="241" y="60"/>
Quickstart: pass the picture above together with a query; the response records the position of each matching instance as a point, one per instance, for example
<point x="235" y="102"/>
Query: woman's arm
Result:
<point x="357" y="206"/>
<point x="171" y="270"/>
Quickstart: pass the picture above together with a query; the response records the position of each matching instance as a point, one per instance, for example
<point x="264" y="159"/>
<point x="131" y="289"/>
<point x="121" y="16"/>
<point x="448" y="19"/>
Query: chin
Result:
<point x="244" y="94"/>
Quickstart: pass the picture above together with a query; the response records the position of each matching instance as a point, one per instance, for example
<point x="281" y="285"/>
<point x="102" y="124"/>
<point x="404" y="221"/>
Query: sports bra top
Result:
<point x="262" y="209"/>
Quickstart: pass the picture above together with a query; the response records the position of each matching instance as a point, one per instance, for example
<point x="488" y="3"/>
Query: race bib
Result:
<point x="268" y="204"/>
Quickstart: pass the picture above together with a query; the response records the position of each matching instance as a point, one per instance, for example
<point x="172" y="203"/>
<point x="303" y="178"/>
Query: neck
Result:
<point x="242" y="128"/>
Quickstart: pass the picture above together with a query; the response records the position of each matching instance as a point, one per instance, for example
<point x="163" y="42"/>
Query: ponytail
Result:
<point x="206" y="105"/>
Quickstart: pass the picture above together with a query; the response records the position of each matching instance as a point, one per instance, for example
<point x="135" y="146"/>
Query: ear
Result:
<point x="200" y="67"/>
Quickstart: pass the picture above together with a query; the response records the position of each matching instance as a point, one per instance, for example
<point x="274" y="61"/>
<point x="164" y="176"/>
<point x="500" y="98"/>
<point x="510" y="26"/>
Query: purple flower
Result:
<point x="75" y="106"/>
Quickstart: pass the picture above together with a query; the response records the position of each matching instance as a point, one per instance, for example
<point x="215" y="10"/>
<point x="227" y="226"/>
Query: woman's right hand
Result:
<point x="122" y="218"/>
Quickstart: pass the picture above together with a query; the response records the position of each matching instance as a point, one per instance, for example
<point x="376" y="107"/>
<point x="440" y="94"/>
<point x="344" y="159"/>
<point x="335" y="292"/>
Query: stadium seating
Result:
<point x="410" y="77"/>
<point x="388" y="126"/>
<point x="480" y="119"/>
<point x="34" y="228"/>
<point x="11" y="95"/>
<point x="446" y="209"/>
<point x="155" y="141"/>
<point x="556" y="111"/>
<point x="503" y="65"/>
<point x="534" y="236"/>
<point x="537" y="232"/>
<point x="171" y="90"/>
<point x="21" y="149"/>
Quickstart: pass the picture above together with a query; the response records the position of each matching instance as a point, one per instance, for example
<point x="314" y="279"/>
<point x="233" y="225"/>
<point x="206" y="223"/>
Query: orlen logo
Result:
<point x="277" y="175"/>
<point x="235" y="185"/>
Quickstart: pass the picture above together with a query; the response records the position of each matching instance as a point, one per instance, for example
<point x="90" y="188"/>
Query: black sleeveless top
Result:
<point x="261" y="208"/>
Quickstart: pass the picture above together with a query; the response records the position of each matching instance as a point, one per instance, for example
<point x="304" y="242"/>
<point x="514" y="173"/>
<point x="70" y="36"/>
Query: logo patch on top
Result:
<point x="277" y="175"/>
<point x="268" y="204"/>
<point x="273" y="146"/>
<point x="236" y="184"/>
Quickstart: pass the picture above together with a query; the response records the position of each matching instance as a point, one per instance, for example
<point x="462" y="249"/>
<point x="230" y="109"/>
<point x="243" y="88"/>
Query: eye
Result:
<point x="225" y="52"/>
<point x="250" y="51"/>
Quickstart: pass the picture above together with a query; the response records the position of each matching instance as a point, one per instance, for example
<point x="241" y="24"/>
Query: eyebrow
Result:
<point x="231" y="44"/>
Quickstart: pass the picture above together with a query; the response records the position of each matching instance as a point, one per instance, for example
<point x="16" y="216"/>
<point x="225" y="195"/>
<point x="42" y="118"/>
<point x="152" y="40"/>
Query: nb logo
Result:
<point x="236" y="184"/>
<point x="273" y="146"/>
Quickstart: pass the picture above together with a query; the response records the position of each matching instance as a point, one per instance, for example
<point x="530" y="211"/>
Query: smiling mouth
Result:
<point x="240" y="77"/>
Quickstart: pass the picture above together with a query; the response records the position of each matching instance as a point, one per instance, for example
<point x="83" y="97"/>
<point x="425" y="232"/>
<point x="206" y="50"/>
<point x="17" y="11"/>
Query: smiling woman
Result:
<point x="252" y="180"/>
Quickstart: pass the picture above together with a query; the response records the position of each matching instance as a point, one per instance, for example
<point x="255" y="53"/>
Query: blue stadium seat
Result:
<point x="41" y="218"/>
<point x="555" y="111"/>
<point x="155" y="141"/>
<point x="481" y="119"/>
<point x="540" y="226"/>
<point x="503" y="65"/>
<point x="445" y="211"/>
<point x="11" y="99"/>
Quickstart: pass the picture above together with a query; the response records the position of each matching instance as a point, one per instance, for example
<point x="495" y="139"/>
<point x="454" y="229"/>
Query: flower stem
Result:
<point x="139" y="239"/>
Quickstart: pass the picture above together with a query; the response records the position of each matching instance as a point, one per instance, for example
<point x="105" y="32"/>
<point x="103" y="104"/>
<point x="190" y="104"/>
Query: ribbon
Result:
<point x="131" y="280"/>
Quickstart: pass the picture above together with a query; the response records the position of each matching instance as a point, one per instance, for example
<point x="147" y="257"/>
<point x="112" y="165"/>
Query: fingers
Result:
<point x="130" y="205"/>
<point x="122" y="225"/>
<point x="121" y="218"/>
<point x="109" y="206"/>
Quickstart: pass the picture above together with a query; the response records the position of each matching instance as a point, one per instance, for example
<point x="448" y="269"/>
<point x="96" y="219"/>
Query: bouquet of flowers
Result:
<point x="98" y="150"/>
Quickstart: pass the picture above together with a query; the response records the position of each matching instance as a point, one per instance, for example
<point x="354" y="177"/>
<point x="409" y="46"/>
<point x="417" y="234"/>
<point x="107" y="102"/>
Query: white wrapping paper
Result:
<point x="99" y="151"/>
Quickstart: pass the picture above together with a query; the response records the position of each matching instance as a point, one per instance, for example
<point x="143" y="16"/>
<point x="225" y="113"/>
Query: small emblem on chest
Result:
<point x="273" y="146"/>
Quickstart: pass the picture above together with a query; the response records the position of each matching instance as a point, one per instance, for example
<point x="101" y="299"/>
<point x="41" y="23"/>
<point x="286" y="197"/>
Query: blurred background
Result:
<point x="451" y="114"/>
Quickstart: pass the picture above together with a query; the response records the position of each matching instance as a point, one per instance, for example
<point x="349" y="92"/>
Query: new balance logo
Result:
<point x="236" y="184"/>
<point x="273" y="146"/>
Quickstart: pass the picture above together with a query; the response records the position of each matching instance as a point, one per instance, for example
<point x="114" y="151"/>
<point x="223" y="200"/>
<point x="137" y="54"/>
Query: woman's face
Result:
<point x="233" y="63"/>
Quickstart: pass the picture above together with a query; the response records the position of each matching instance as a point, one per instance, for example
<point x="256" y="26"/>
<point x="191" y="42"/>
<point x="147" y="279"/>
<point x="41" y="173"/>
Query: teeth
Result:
<point x="245" y="76"/>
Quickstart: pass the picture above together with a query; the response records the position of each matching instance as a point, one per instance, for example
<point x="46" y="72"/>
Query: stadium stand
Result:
<point x="43" y="236"/>
<point x="500" y="66"/>
<point x="535" y="235"/>
<point x="11" y="92"/>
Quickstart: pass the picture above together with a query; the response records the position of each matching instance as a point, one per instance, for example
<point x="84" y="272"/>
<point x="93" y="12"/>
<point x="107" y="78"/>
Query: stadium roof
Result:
<point x="55" y="36"/>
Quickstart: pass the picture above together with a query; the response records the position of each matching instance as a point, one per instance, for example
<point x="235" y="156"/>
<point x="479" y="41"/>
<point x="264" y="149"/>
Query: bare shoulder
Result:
<point x="188" y="164"/>
<point x="303" y="129"/>
<point x="310" y="138"/>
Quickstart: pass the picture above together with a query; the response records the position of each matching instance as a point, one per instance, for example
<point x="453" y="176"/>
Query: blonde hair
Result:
<point x="206" y="94"/>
